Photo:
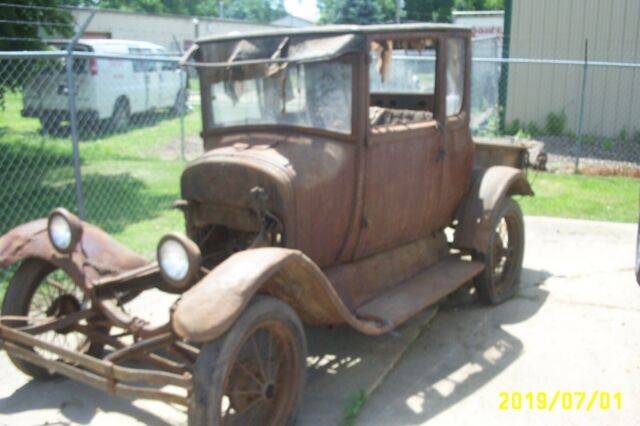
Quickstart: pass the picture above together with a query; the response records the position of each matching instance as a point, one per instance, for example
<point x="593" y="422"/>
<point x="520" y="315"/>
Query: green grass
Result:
<point x="129" y="179"/>
<point x="613" y="199"/>
<point x="353" y="406"/>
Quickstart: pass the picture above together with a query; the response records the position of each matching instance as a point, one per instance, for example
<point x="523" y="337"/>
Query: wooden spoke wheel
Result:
<point x="503" y="259"/>
<point x="254" y="375"/>
<point x="41" y="292"/>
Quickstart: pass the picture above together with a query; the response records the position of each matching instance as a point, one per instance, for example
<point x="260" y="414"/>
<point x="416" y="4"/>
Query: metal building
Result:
<point x="557" y="30"/>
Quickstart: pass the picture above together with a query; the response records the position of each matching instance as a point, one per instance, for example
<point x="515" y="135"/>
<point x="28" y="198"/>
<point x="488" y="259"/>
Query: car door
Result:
<point x="403" y="152"/>
<point x="457" y="154"/>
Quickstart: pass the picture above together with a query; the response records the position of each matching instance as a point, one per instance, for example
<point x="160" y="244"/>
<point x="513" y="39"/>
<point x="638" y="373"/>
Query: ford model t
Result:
<point x="336" y="160"/>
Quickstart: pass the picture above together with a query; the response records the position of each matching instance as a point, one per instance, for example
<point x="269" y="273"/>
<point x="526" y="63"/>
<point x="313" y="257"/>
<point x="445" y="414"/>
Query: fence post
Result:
<point x="73" y="116"/>
<point x="583" y="94"/>
<point x="183" y="106"/>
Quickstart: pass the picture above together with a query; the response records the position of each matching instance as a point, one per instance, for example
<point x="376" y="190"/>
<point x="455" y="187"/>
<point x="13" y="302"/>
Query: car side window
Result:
<point x="402" y="81"/>
<point x="456" y="58"/>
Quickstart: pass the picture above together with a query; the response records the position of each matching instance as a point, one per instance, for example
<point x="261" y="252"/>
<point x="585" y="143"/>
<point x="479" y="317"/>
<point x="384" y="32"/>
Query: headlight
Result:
<point x="179" y="259"/>
<point x="64" y="230"/>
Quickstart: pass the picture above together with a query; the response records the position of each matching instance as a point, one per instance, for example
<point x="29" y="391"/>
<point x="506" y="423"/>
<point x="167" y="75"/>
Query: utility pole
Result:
<point x="399" y="6"/>
<point x="221" y="10"/>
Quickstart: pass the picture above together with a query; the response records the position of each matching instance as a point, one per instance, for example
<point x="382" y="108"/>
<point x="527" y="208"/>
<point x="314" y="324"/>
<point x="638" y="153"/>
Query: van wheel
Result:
<point x="50" y="125"/>
<point x="180" y="104"/>
<point x="255" y="373"/>
<point x="503" y="259"/>
<point x="121" y="115"/>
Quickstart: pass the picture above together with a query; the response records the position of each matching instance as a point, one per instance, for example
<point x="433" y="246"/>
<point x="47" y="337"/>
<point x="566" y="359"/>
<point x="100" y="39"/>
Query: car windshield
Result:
<point x="312" y="94"/>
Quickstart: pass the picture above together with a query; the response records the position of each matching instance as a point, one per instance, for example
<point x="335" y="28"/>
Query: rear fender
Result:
<point x="476" y="213"/>
<point x="209" y="308"/>
<point x="96" y="255"/>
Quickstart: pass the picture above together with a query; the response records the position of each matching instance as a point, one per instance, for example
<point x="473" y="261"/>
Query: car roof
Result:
<point x="324" y="30"/>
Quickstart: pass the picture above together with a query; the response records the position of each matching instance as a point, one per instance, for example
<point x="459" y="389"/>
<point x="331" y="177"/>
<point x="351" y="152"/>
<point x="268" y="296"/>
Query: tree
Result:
<point x="255" y="10"/>
<point x="252" y="10"/>
<point x="360" y="12"/>
<point x="479" y="4"/>
<point x="29" y="25"/>
<point x="428" y="10"/>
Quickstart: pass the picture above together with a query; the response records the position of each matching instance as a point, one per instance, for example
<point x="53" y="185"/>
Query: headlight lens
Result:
<point x="174" y="260"/>
<point x="64" y="230"/>
<point x="60" y="232"/>
<point x="179" y="260"/>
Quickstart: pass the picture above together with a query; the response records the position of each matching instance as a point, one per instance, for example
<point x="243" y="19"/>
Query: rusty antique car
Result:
<point x="337" y="186"/>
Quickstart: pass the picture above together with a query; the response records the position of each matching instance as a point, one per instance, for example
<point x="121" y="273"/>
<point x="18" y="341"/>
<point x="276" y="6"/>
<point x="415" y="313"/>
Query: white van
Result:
<point x="108" y="90"/>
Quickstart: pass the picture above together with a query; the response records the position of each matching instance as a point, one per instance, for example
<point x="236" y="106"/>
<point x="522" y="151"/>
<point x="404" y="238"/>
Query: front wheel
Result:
<point x="41" y="292"/>
<point x="500" y="278"/>
<point x="255" y="373"/>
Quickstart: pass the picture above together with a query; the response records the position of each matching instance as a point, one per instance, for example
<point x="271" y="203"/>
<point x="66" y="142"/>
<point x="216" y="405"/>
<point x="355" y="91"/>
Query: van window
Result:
<point x="140" y="65"/>
<point x="456" y="57"/>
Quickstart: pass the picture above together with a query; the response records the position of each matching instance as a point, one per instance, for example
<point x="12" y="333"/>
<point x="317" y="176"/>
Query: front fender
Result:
<point x="210" y="307"/>
<point x="476" y="212"/>
<point x="96" y="255"/>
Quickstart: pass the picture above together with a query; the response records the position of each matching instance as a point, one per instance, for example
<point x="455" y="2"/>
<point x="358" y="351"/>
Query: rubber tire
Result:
<point x="50" y="125"/>
<point x="122" y="104"/>
<point x="180" y="104"/>
<point x="17" y="299"/>
<point x="213" y="360"/>
<point x="484" y="282"/>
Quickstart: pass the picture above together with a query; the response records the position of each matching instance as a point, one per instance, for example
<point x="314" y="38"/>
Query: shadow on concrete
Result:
<point x="77" y="403"/>
<point x="460" y="351"/>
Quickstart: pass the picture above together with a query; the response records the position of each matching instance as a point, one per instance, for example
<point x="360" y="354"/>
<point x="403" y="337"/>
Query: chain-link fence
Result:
<point x="136" y="115"/>
<point x="105" y="137"/>
<point x="586" y="113"/>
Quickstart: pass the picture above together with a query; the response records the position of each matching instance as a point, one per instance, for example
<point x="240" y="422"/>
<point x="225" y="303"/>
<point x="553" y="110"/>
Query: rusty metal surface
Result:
<point x="415" y="294"/>
<point x="475" y="213"/>
<point x="360" y="281"/>
<point x="210" y="307"/>
<point x="97" y="254"/>
<point x="309" y="181"/>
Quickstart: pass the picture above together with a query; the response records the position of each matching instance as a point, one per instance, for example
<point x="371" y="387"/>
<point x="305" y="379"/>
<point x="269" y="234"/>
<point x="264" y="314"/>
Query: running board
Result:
<point x="415" y="294"/>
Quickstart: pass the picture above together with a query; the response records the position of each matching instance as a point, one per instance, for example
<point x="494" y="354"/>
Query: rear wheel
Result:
<point x="503" y="259"/>
<point x="39" y="290"/>
<point x="121" y="115"/>
<point x="180" y="104"/>
<point x="255" y="374"/>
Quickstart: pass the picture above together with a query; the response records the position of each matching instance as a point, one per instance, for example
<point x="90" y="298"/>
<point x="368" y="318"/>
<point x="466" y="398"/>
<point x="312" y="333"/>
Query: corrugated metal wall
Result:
<point x="557" y="29"/>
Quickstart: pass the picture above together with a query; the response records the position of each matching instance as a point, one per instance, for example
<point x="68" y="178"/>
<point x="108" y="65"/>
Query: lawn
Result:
<point x="613" y="199"/>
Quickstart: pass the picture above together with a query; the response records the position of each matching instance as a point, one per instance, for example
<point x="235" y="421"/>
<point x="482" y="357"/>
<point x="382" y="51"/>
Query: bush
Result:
<point x="512" y="128"/>
<point x="556" y="123"/>
<point x="533" y="129"/>
<point x="624" y="135"/>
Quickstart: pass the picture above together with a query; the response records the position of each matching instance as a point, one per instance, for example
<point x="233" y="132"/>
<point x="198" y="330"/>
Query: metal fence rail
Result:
<point x="137" y="118"/>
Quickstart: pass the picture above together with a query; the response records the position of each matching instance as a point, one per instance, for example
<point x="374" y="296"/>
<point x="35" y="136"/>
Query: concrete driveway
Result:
<point x="574" y="327"/>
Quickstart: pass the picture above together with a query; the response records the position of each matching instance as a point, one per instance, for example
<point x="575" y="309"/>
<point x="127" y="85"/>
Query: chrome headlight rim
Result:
<point x="74" y="229"/>
<point x="194" y="261"/>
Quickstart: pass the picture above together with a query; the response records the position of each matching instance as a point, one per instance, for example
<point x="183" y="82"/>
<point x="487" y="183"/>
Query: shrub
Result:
<point x="624" y="135"/>
<point x="556" y="123"/>
<point x="533" y="129"/>
<point x="512" y="128"/>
